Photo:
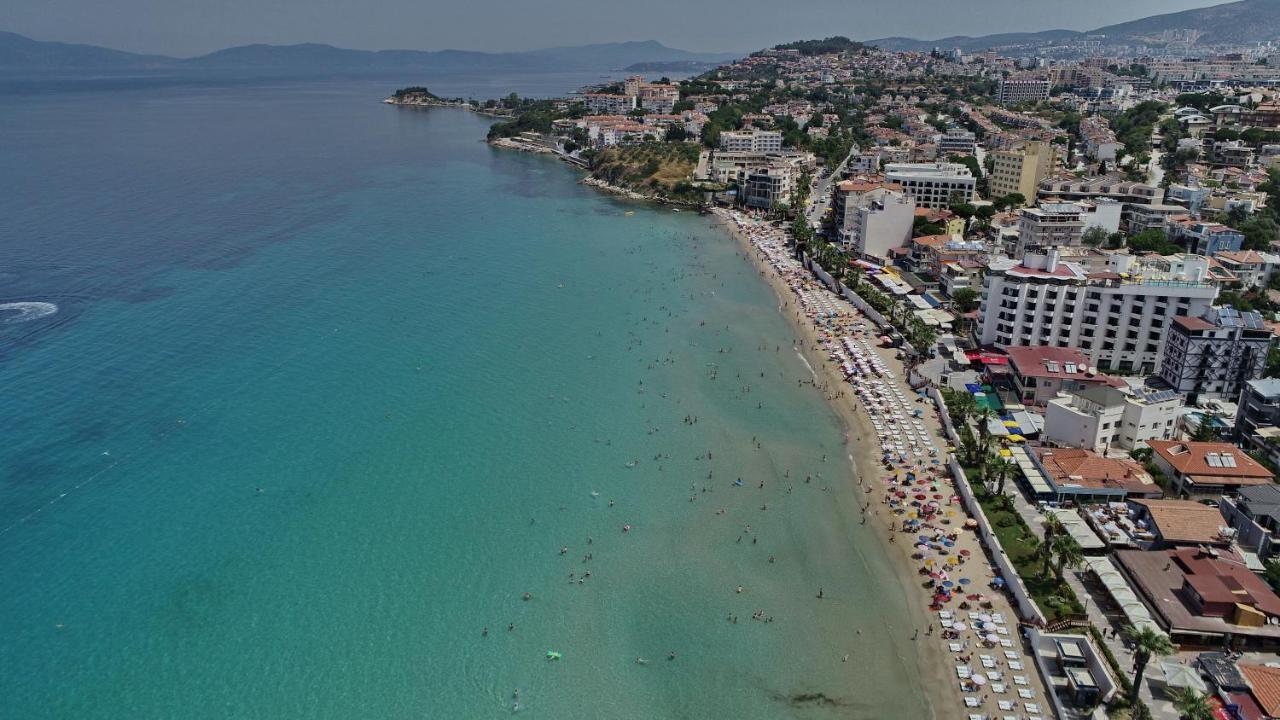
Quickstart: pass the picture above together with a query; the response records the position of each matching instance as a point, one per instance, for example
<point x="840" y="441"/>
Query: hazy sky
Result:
<point x="192" y="27"/>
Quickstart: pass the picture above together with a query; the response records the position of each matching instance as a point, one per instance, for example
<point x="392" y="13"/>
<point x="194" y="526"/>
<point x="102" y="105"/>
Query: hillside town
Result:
<point x="1081" y="259"/>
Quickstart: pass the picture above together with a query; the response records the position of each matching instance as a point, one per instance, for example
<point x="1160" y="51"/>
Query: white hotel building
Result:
<point x="933" y="184"/>
<point x="1118" y="318"/>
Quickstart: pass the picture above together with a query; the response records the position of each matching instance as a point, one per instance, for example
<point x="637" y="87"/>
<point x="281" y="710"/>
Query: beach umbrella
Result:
<point x="993" y="638"/>
<point x="984" y="617"/>
<point x="965" y="581"/>
<point x="998" y="582"/>
<point x="979" y="680"/>
<point x="989" y="626"/>
<point x="947" y="583"/>
<point x="965" y="553"/>
<point x="959" y="627"/>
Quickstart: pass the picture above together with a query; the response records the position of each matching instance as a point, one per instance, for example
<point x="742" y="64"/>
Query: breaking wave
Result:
<point x="19" y="312"/>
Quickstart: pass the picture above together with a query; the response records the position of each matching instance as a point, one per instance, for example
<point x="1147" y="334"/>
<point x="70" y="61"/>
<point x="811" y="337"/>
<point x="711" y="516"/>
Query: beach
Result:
<point x="804" y="301"/>
<point x="290" y="443"/>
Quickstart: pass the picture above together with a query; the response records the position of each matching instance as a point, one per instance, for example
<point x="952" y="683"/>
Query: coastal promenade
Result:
<point x="973" y="660"/>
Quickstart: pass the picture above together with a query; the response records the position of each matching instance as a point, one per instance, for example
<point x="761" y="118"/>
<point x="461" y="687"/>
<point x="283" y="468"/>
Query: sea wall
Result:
<point x="1027" y="608"/>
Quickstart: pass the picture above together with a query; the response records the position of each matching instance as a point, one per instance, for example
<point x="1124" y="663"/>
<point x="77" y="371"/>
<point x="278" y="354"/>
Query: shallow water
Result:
<point x="330" y="384"/>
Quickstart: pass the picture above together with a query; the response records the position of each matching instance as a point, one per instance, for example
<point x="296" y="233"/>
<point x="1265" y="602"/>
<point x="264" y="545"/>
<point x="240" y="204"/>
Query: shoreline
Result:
<point x="933" y="657"/>
<point x="933" y="660"/>
<point x="932" y="675"/>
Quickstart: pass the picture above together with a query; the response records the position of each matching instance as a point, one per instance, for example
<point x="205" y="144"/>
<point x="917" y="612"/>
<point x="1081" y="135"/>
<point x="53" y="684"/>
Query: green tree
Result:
<point x="965" y="299"/>
<point x="983" y="417"/>
<point x="1052" y="530"/>
<point x="1147" y="642"/>
<point x="1010" y="201"/>
<point x="1207" y="430"/>
<point x="1094" y="236"/>
<point x="711" y="134"/>
<point x="1152" y="241"/>
<point x="997" y="470"/>
<point x="1190" y="704"/>
<point x="968" y="161"/>
<point x="983" y="215"/>
<point x="1068" y="553"/>
<point x="1259" y="232"/>
<point x="960" y="405"/>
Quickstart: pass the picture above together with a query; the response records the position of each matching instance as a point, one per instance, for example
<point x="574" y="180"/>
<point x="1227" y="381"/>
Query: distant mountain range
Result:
<point x="1244" y="22"/>
<point x="18" y="52"/>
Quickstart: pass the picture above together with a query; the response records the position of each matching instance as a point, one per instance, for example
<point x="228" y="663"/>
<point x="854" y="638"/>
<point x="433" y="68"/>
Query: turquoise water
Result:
<point x="329" y="386"/>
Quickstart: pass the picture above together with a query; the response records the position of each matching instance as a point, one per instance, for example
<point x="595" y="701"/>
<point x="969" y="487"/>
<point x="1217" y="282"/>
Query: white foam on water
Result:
<point x="18" y="312"/>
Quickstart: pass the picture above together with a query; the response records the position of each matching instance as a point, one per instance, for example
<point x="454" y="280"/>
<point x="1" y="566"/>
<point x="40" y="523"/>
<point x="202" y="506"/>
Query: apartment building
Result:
<point x="728" y="167"/>
<point x="957" y="141"/>
<point x="1100" y="417"/>
<point x="933" y="185"/>
<point x="658" y="98"/>
<point x="1040" y="372"/>
<point x="1100" y="187"/>
<point x="769" y="186"/>
<point x="1049" y="224"/>
<point x="608" y="104"/>
<point x="1215" y="353"/>
<point x="1097" y="139"/>
<point x="1010" y="91"/>
<point x="1259" y="406"/>
<point x="1232" y="153"/>
<point x="753" y="141"/>
<point x="872" y="219"/>
<point x="1021" y="170"/>
<point x="1252" y="269"/>
<point x="1117" y="317"/>
<point x="1202" y="238"/>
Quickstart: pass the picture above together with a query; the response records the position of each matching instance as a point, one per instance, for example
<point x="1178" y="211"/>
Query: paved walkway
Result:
<point x="1098" y="606"/>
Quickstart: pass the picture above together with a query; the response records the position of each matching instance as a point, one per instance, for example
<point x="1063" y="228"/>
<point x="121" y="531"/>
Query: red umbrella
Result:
<point x="965" y="553"/>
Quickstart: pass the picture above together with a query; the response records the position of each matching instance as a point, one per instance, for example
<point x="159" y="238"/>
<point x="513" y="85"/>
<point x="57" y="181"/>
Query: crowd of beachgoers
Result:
<point x="903" y="473"/>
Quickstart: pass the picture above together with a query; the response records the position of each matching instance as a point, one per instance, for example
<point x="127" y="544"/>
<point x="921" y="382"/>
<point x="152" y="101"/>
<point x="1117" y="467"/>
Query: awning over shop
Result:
<point x="1123" y="595"/>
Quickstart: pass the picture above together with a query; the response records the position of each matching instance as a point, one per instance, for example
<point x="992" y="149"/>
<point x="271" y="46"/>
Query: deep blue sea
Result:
<point x="300" y="393"/>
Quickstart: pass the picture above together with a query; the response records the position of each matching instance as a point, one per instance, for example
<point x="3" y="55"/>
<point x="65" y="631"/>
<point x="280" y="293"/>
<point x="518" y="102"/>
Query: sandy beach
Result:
<point x="939" y="656"/>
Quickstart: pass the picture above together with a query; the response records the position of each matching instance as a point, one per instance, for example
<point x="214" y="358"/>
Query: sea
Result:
<point x="315" y="407"/>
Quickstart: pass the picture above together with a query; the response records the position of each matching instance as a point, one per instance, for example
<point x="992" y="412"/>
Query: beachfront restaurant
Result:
<point x="1080" y="476"/>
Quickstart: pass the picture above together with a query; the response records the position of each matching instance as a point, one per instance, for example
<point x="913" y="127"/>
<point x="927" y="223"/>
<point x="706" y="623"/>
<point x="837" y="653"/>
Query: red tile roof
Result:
<point x="1073" y="466"/>
<point x="1264" y="682"/>
<point x="1047" y="361"/>
<point x="1225" y="579"/>
<point x="1193" y="323"/>
<point x="1185" y="521"/>
<point x="1192" y="458"/>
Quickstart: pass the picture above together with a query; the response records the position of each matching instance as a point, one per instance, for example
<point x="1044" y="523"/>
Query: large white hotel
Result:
<point x="1118" y="317"/>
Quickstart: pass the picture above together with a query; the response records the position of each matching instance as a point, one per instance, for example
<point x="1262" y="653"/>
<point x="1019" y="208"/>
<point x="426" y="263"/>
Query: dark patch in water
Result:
<point x="804" y="700"/>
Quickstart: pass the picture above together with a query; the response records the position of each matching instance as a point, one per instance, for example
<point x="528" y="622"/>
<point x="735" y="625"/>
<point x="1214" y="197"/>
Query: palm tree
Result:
<point x="1147" y="642"/>
<point x="1191" y="705"/>
<point x="1069" y="553"/>
<point x="968" y="445"/>
<point x="998" y="469"/>
<point x="1052" y="530"/>
<point x="981" y="417"/>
